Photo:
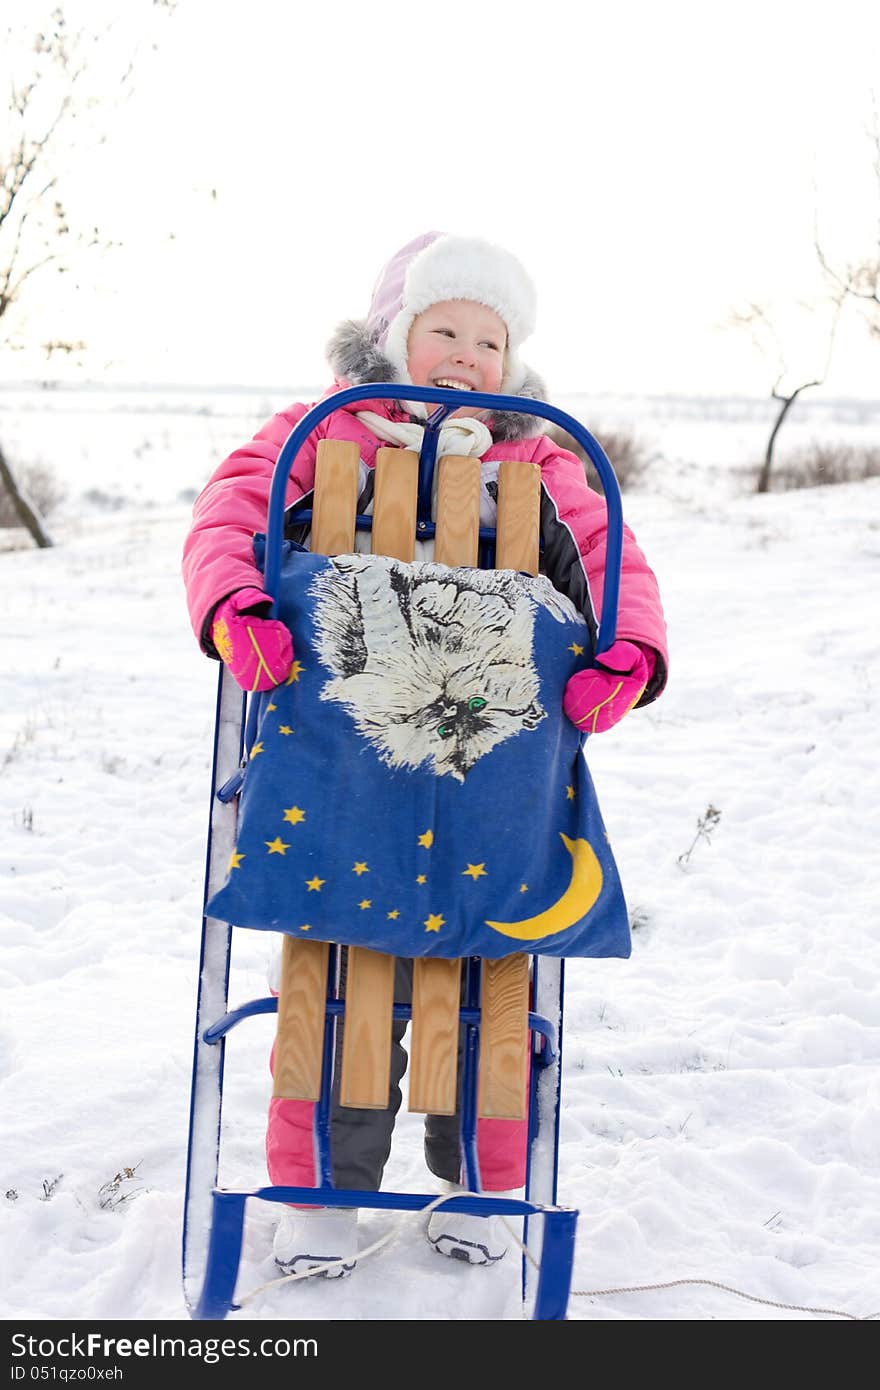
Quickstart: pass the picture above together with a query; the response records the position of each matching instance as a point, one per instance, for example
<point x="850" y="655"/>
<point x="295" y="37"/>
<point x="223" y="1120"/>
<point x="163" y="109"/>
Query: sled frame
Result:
<point x="214" y="1217"/>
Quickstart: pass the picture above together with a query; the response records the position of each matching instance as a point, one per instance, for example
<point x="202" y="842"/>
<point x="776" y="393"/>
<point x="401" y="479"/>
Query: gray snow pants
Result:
<point x="360" y="1140"/>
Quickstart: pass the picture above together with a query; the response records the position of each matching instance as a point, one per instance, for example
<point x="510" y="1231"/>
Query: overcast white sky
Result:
<point x="653" y="166"/>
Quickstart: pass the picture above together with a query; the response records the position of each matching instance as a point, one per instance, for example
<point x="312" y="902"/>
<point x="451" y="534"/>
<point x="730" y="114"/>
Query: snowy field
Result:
<point x="721" y="1094"/>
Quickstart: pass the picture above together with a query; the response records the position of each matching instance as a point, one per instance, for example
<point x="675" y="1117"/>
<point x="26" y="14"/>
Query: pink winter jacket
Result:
<point x="218" y="552"/>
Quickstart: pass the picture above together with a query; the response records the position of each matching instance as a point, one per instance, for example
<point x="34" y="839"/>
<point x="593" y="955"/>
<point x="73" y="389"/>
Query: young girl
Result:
<point x="451" y="312"/>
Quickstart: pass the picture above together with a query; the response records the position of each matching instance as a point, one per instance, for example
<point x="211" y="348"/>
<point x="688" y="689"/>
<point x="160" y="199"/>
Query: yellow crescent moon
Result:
<point x="582" y="891"/>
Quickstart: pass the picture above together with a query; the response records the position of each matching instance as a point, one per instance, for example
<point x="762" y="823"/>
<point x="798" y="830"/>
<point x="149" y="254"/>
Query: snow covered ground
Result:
<point x="721" y="1111"/>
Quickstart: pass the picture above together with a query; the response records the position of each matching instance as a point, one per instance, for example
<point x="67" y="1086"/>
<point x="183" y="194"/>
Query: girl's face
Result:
<point x="457" y="343"/>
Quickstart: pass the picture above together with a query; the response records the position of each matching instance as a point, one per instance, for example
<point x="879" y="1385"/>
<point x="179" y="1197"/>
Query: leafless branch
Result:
<point x="26" y="159"/>
<point x="859" y="280"/>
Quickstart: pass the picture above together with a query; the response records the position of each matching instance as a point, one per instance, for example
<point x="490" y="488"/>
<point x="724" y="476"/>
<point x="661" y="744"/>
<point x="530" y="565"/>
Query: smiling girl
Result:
<point x="446" y="311"/>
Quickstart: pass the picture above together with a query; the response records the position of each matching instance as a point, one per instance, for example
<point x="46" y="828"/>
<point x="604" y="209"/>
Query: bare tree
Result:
<point x="786" y="387"/>
<point x="855" y="280"/>
<point x="21" y="505"/>
<point x="51" y="89"/>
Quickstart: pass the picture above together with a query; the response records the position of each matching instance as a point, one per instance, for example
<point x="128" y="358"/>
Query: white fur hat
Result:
<point x="435" y="267"/>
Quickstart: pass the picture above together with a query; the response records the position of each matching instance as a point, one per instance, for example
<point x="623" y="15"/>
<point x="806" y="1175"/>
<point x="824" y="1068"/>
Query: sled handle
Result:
<point x="450" y="400"/>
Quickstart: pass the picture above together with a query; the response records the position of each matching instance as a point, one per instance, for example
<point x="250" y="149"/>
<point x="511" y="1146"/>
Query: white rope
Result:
<point x="712" y="1283"/>
<point x="728" y="1288"/>
<point x="575" y="1293"/>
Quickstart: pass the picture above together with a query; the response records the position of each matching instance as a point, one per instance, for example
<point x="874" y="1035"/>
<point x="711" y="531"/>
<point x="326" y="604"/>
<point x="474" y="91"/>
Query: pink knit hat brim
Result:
<point x="387" y="300"/>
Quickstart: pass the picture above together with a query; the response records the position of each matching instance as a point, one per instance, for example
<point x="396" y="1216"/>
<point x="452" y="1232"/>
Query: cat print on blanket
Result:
<point x="435" y="666"/>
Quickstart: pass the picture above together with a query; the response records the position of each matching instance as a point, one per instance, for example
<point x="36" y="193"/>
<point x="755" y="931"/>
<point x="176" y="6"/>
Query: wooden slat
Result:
<point x="302" y="997"/>
<point x="394" y="503"/>
<point x="366" y="1041"/>
<point x="335" y="502"/>
<point x="504" y="1039"/>
<point x="437" y="983"/>
<point x="457" y="538"/>
<point x="299" y="1038"/>
<point x="504" y="1058"/>
<point x="434" y="1036"/>
<point x="369" y="989"/>
<point x="518" y="532"/>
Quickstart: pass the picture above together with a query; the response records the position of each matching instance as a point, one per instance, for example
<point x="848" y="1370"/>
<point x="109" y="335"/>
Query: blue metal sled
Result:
<point x="213" y="1222"/>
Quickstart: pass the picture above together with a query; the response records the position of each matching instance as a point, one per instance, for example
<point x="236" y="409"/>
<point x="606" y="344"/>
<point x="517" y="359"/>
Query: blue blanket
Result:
<point x="415" y="786"/>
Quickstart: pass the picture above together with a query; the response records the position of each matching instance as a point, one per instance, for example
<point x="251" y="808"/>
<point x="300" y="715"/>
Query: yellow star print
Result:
<point x="360" y="868"/>
<point x="257" y="748"/>
<point x="394" y="914"/>
<point x="474" y="871"/>
<point x="285" y="729"/>
<point x="315" y="884"/>
<point x="276" y="846"/>
<point x="306" y="926"/>
<point x="524" y="888"/>
<point x="434" y="922"/>
<point x="578" y="651"/>
<point x="421" y="879"/>
<point x="235" y="860"/>
<point x="295" y="673"/>
<point x="427" y="840"/>
<point x="269" y="708"/>
<point x="569" y="792"/>
<point x="294" y="814"/>
<point x="365" y="902"/>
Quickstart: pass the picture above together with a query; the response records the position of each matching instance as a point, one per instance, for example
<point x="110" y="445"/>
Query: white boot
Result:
<point x="309" y="1238"/>
<point x="476" y="1240"/>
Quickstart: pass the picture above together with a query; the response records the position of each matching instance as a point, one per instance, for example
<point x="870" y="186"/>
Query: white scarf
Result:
<point x="466" y="436"/>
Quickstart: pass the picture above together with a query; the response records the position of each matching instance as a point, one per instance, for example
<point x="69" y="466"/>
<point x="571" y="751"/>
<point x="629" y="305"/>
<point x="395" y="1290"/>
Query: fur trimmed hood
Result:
<point x="353" y="353"/>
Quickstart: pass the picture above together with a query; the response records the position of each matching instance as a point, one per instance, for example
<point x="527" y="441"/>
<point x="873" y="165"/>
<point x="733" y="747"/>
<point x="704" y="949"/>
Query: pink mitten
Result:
<point x="257" y="650"/>
<point x="600" y="696"/>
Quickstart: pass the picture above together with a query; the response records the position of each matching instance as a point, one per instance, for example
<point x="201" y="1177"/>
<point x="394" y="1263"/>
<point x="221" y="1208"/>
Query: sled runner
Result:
<point x="507" y="997"/>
